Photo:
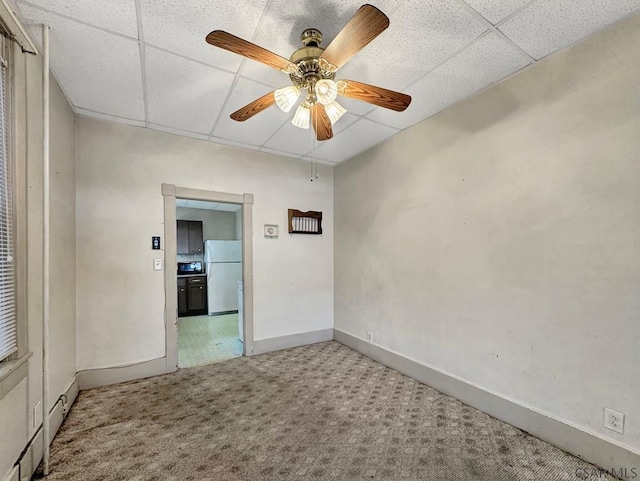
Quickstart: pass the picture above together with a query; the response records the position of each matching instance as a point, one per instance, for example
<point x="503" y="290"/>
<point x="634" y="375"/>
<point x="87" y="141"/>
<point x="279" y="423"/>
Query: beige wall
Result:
<point x="120" y="206"/>
<point x="63" y="242"/>
<point x="499" y="241"/>
<point x="18" y="417"/>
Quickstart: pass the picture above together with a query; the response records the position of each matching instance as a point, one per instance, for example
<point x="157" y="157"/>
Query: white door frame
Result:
<point x="170" y="192"/>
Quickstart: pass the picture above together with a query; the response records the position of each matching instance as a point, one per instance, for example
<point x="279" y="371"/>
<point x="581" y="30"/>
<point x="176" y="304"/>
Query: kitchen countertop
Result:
<point x="192" y="275"/>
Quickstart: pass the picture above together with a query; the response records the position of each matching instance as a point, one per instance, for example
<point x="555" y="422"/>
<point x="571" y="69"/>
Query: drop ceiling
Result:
<point x="146" y="63"/>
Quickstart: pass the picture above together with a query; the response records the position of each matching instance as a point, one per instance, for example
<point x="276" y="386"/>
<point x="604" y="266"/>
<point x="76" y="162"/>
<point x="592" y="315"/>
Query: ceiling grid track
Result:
<point x="498" y="51"/>
<point x="335" y="136"/>
<point x="205" y="64"/>
<point x="133" y="39"/>
<point x="143" y="62"/>
<point x="238" y="73"/>
<point x="78" y="21"/>
<point x="82" y="110"/>
<point x="516" y="12"/>
<point x="496" y="30"/>
<point x="74" y="108"/>
<point x="458" y="52"/>
<point x="264" y="144"/>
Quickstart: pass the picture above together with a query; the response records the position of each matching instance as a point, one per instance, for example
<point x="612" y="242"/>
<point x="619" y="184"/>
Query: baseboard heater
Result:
<point x="32" y="454"/>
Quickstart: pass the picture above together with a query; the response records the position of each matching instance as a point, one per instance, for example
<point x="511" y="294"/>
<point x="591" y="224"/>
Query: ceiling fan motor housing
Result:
<point x="307" y="58"/>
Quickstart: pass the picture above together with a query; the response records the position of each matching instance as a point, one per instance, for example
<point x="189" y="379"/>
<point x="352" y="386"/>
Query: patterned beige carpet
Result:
<point x="319" y="412"/>
<point x="206" y="339"/>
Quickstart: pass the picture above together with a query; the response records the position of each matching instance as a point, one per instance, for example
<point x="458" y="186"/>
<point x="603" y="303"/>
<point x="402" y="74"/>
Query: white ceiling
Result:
<point x="207" y="205"/>
<point x="146" y="63"/>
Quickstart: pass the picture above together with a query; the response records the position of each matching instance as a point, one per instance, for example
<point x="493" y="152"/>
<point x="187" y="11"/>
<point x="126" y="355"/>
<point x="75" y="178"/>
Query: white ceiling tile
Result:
<point x="292" y="139"/>
<point x="98" y="70"/>
<point x="115" y="15"/>
<point x="101" y="73"/>
<point x="421" y="35"/>
<point x="257" y="129"/>
<point x="300" y="141"/>
<point x="343" y="122"/>
<point x="285" y="20"/>
<point x="496" y="10"/>
<point x="356" y="138"/>
<point x="184" y="94"/>
<point x="488" y="60"/>
<point x="550" y="25"/>
<point x="181" y="27"/>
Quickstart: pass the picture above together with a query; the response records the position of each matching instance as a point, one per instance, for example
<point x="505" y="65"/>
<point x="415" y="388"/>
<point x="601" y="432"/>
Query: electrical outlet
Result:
<point x="614" y="420"/>
<point x="369" y="336"/>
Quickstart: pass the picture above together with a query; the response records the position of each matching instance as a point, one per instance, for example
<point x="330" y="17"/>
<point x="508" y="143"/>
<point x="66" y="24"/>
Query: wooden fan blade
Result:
<point x="254" y="107"/>
<point x="321" y="122"/>
<point x="388" y="99"/>
<point x="250" y="50"/>
<point x="367" y="23"/>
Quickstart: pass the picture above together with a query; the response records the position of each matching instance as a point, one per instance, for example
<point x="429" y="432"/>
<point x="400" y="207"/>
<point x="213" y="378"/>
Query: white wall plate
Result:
<point x="270" y="231"/>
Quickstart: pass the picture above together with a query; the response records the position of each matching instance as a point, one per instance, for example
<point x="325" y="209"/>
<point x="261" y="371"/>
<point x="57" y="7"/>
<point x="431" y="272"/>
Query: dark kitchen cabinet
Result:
<point x="192" y="296"/>
<point x="182" y="297"/>
<point x="197" y="298"/>
<point x="190" y="239"/>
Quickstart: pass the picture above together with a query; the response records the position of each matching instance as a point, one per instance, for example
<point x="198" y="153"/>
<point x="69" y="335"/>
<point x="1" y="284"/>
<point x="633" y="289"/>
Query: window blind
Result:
<point x="8" y="323"/>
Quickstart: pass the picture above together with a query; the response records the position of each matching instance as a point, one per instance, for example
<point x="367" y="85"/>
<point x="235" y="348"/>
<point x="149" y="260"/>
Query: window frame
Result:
<point x="14" y="368"/>
<point x="8" y="186"/>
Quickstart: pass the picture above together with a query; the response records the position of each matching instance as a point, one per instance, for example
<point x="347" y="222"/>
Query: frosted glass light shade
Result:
<point x="302" y="116"/>
<point x="286" y="97"/>
<point x="326" y="91"/>
<point x="334" y="111"/>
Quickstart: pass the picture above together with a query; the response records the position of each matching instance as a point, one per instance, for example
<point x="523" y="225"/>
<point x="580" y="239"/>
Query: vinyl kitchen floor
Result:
<point x="207" y="339"/>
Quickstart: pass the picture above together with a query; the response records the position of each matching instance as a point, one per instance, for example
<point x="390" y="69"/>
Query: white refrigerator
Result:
<point x="224" y="269"/>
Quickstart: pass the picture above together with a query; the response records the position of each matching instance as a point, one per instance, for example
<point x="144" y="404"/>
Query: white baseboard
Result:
<point x="91" y="378"/>
<point x="261" y="346"/>
<point x="33" y="453"/>
<point x="588" y="446"/>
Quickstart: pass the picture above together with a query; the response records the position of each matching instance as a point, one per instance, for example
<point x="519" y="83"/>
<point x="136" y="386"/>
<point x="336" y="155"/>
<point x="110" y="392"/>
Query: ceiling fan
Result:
<point x="313" y="68"/>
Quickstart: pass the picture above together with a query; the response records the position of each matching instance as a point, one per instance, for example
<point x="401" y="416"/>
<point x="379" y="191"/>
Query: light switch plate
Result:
<point x="157" y="264"/>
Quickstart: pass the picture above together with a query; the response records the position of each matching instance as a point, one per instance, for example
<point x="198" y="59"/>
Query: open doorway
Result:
<point x="170" y="194"/>
<point x="209" y="281"/>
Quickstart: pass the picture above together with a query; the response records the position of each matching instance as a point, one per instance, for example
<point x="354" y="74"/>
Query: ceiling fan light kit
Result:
<point x="302" y="116"/>
<point x="326" y="91"/>
<point x="313" y="69"/>
<point x="334" y="111"/>
<point x="286" y="97"/>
